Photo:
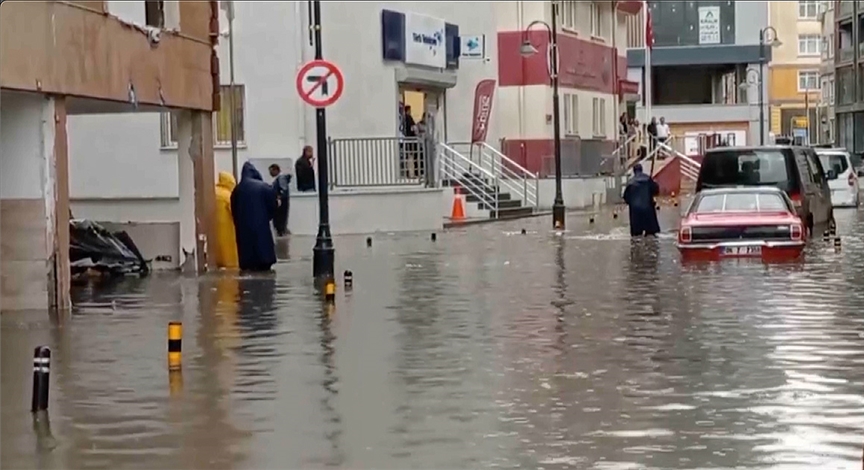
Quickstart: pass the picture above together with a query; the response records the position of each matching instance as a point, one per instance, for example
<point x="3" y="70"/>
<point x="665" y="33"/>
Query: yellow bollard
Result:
<point x="175" y="345"/>
<point x="175" y="382"/>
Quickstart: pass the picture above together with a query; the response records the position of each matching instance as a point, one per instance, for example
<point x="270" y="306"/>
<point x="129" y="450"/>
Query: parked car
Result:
<point x="795" y="170"/>
<point x="842" y="176"/>
<point x="752" y="222"/>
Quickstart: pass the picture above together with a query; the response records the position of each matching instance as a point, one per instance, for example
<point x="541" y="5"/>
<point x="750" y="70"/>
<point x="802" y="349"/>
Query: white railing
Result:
<point x="506" y="173"/>
<point x="689" y="167"/>
<point x="470" y="176"/>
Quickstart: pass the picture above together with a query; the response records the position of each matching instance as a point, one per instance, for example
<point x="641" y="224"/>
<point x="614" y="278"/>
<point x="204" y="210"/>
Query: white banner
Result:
<point x="425" y="43"/>
<point x="709" y="25"/>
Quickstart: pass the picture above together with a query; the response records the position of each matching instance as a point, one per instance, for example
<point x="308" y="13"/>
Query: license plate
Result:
<point x="742" y="250"/>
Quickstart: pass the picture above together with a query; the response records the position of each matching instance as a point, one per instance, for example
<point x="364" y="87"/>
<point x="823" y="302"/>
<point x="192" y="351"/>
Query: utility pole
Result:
<point x="323" y="255"/>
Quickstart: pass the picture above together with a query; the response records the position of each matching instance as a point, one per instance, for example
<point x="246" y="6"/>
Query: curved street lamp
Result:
<point x="767" y="37"/>
<point x="526" y="50"/>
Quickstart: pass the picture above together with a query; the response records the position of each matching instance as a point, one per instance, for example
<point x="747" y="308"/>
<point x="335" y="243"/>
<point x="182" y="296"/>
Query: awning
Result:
<point x="627" y="87"/>
<point x="630" y="7"/>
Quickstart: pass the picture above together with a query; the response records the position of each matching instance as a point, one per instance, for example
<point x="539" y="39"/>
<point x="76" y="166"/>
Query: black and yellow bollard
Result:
<point x="832" y="229"/>
<point x="41" y="376"/>
<point x="348" y="278"/>
<point x="368" y="242"/>
<point x="826" y="236"/>
<point x="837" y="244"/>
<point x="330" y="290"/>
<point x="434" y="236"/>
<point x="175" y="345"/>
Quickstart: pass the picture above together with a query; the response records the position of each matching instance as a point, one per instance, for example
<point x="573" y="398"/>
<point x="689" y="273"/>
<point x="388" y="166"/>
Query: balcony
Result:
<point x="846" y="8"/>
<point x="846" y="54"/>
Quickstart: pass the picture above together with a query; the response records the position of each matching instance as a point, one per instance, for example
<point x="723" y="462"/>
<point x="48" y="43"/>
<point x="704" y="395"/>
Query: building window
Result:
<point x="567" y="14"/>
<point x="844" y="85"/>
<point x="808" y="44"/>
<point x="596" y="20"/>
<point x="808" y="9"/>
<point x="221" y="124"/>
<point x="599" y="112"/>
<point x="154" y="13"/>
<point x="808" y="80"/>
<point x="571" y="114"/>
<point x="828" y="91"/>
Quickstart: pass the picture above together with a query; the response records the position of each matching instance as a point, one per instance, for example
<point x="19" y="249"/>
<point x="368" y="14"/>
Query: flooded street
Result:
<point x="487" y="348"/>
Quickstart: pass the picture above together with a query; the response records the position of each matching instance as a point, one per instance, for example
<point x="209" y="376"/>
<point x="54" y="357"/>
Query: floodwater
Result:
<point x="485" y="349"/>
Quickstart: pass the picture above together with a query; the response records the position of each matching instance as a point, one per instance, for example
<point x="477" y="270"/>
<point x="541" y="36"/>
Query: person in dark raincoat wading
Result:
<point x="253" y="205"/>
<point x="639" y="196"/>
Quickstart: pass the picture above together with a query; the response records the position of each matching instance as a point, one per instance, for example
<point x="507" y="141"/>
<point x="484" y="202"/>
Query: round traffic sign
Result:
<point x="320" y="83"/>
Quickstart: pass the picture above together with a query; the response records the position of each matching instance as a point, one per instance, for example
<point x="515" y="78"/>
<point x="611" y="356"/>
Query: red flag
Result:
<point x="482" y="110"/>
<point x="649" y="29"/>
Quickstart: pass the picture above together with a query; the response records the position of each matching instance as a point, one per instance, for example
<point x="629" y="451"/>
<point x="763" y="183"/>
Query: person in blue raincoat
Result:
<point x="253" y="205"/>
<point x="639" y="196"/>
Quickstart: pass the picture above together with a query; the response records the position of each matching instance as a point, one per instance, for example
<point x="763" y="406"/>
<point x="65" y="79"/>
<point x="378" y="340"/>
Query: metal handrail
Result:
<point x="504" y="170"/>
<point x="454" y="166"/>
<point x="529" y="194"/>
<point x="689" y="167"/>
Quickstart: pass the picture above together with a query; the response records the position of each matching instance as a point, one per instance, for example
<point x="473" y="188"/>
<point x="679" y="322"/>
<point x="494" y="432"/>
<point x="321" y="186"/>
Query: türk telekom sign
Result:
<point x="483" y="95"/>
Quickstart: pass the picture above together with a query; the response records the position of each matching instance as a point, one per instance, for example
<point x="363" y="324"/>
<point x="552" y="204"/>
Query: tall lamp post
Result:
<point x="767" y="37"/>
<point x="527" y="49"/>
<point x="323" y="255"/>
<point x="754" y="78"/>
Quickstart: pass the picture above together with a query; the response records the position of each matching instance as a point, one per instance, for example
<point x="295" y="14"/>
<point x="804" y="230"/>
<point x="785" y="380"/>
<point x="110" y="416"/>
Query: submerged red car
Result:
<point x="752" y="222"/>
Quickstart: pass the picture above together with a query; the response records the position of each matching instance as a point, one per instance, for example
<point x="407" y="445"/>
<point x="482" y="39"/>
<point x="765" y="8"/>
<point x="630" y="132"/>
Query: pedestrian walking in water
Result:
<point x="639" y="196"/>
<point x="253" y="205"/>
<point x="282" y="186"/>
<point x="226" y="238"/>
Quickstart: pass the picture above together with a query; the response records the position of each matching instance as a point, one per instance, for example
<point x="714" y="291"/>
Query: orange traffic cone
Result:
<point x="458" y="211"/>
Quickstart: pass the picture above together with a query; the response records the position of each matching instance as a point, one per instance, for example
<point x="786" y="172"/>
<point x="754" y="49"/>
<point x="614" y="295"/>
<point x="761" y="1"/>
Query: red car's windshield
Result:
<point x="738" y="202"/>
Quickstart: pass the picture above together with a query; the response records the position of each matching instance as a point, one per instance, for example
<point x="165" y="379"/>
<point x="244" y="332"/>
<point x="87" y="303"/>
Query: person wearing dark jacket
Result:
<point x="639" y="196"/>
<point x="282" y="186"/>
<point x="253" y="205"/>
<point x="304" y="171"/>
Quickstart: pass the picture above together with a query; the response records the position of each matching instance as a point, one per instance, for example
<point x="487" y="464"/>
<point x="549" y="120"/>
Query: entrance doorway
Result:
<point x="421" y="123"/>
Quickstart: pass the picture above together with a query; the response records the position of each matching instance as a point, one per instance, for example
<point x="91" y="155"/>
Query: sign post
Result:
<point x="320" y="83"/>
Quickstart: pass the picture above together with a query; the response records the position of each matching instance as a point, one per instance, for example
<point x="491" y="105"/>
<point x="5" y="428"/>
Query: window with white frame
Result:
<point x="831" y="92"/>
<point x="221" y="120"/>
<point x="596" y="20"/>
<point x="808" y="80"/>
<point x="567" y="15"/>
<point x="808" y="44"/>
<point x="571" y="114"/>
<point x="831" y="46"/>
<point x="808" y="9"/>
<point x="599" y="117"/>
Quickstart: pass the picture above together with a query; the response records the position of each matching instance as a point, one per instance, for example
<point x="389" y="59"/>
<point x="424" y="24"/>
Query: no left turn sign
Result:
<point x="320" y="83"/>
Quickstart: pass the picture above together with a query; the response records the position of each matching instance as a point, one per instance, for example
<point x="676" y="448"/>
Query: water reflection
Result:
<point x="486" y="349"/>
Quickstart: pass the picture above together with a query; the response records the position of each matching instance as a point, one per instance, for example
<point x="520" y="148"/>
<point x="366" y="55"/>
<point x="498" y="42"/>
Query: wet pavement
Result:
<point x="487" y="348"/>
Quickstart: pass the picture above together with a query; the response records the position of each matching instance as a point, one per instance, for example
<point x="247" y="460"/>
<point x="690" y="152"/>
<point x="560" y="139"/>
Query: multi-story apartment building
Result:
<point x="825" y="122"/>
<point x="795" y="68"/>
<point x="60" y="59"/>
<point x="704" y="69"/>
<point x="592" y="77"/>
<point x="849" y="74"/>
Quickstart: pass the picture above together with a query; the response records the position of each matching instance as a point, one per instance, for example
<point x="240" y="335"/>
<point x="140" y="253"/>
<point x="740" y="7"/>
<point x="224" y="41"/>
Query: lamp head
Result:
<point x="527" y="49"/>
<point x="776" y="43"/>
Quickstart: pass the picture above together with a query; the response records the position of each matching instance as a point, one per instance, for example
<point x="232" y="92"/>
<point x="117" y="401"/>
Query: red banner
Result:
<point x="483" y="95"/>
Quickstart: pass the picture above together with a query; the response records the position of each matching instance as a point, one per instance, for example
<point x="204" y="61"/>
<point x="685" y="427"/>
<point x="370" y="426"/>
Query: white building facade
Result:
<point x="125" y="168"/>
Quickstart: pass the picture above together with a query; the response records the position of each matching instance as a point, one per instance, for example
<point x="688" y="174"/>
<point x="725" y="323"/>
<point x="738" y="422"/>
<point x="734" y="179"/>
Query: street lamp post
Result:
<point x="323" y="255"/>
<point x="767" y="35"/>
<point x="528" y="49"/>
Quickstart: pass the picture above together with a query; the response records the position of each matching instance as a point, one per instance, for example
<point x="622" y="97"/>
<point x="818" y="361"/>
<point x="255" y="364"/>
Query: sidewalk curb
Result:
<point x="582" y="210"/>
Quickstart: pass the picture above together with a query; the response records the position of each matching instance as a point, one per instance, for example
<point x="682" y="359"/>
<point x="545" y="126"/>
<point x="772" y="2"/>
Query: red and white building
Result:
<point x="592" y="44"/>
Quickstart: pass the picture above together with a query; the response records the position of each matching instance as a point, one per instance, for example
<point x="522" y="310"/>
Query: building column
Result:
<point x="197" y="188"/>
<point x="34" y="203"/>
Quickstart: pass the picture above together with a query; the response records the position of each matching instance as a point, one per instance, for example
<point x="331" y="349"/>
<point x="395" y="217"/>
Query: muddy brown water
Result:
<point x="485" y="349"/>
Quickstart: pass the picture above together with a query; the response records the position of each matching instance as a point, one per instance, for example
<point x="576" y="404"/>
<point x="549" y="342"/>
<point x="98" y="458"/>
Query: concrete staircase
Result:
<point x="482" y="193"/>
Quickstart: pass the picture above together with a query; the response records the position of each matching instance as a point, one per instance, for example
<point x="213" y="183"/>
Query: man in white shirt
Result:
<point x="663" y="130"/>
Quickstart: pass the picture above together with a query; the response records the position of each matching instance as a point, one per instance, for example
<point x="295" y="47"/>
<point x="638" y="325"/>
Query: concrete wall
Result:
<point x="26" y="200"/>
<point x="578" y="193"/>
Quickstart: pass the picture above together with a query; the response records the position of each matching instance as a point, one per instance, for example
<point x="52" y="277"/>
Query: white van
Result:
<point x="842" y="176"/>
